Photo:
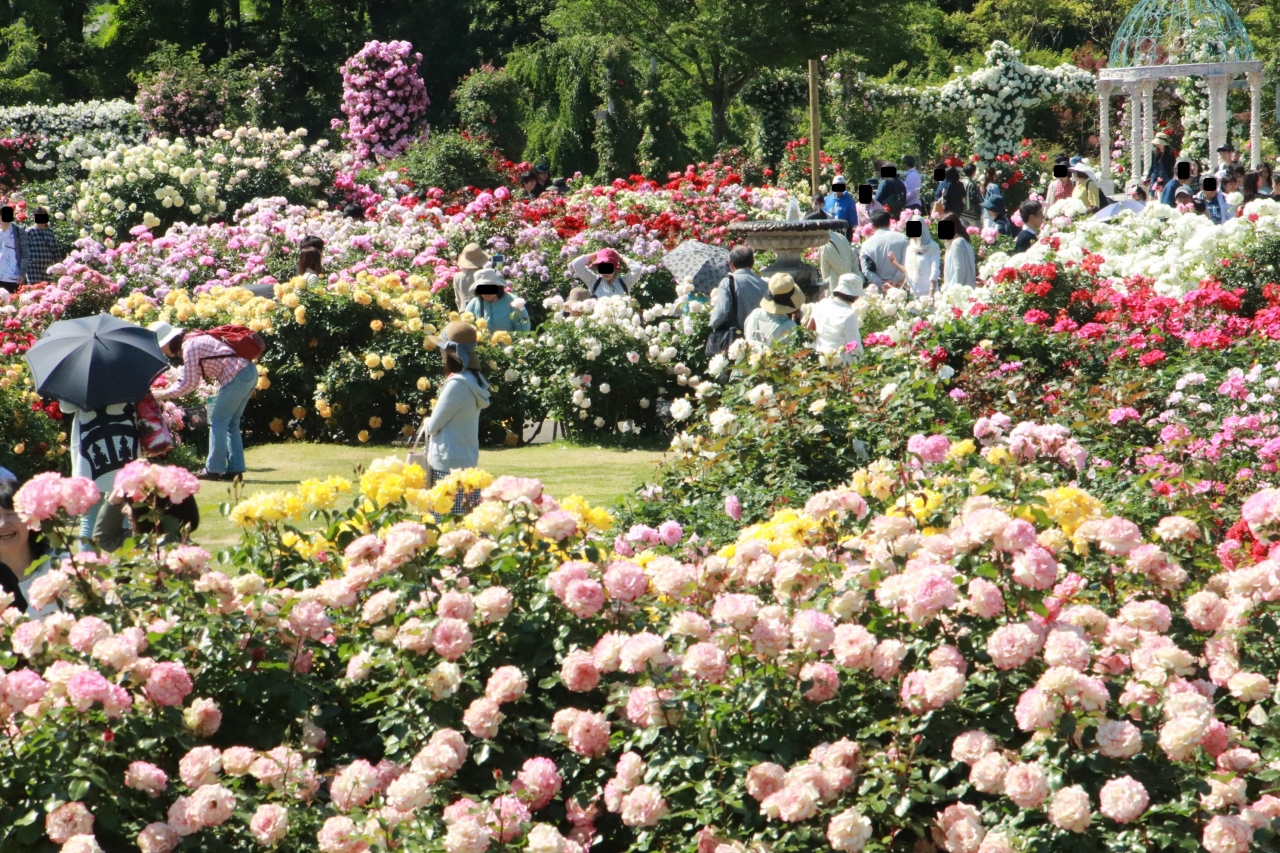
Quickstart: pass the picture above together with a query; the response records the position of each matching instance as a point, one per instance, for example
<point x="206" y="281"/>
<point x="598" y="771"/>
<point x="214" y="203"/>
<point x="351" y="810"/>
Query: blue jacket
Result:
<point x="499" y="314"/>
<point x="1170" y="190"/>
<point x="842" y="207"/>
<point x="455" y="423"/>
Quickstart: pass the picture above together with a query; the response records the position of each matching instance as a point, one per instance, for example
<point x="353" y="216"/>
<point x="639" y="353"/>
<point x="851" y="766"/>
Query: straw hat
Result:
<point x="784" y="296"/>
<point x="1161" y="137"/>
<point x="472" y="257"/>
<point x="577" y="295"/>
<point x="165" y="332"/>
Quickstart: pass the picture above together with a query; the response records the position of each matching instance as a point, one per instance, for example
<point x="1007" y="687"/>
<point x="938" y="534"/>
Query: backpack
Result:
<point x="973" y="199"/>
<point x="896" y="197"/>
<point x="244" y="342"/>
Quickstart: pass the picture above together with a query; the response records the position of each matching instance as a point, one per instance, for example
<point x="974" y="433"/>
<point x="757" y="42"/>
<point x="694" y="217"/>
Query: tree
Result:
<point x="719" y="45"/>
<point x="22" y="83"/>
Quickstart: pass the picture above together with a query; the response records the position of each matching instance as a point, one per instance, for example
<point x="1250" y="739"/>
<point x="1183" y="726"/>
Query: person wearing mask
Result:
<point x="877" y="268"/>
<point x="1215" y="202"/>
<point x="471" y="260"/>
<point x="12" y="247"/>
<point x="1032" y="213"/>
<point x="972" y="215"/>
<point x="997" y="216"/>
<point x="599" y="272"/>
<point x="960" y="266"/>
<point x="912" y="181"/>
<point x="20" y="548"/>
<point x="204" y="357"/>
<point x="839" y="204"/>
<point x="1086" y="190"/>
<point x="741" y="286"/>
<point x="923" y="264"/>
<point x="1163" y="161"/>
<point x="1265" y="186"/>
<point x="40" y="249"/>
<point x="453" y="429"/>
<point x="775" y="319"/>
<point x="498" y="307"/>
<point x="835" y="323"/>
<point x="1170" y="191"/>
<point x="1059" y="188"/>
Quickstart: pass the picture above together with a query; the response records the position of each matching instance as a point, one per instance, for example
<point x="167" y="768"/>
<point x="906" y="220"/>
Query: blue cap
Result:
<point x="1075" y="161"/>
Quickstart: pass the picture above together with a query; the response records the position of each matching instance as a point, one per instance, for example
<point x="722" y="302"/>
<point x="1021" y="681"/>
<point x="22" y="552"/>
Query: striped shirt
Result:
<point x="205" y="357"/>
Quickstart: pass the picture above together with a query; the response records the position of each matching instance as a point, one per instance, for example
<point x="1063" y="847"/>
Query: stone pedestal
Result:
<point x="789" y="239"/>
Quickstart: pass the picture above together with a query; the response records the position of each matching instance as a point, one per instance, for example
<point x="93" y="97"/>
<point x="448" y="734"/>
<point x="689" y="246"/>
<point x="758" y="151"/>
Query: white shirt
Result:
<point x="9" y="255"/>
<point x="923" y="268"/>
<point x="835" y="324"/>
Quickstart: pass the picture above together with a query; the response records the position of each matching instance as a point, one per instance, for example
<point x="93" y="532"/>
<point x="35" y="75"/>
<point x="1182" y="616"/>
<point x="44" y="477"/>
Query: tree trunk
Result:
<point x="232" y="23"/>
<point x="719" y="111"/>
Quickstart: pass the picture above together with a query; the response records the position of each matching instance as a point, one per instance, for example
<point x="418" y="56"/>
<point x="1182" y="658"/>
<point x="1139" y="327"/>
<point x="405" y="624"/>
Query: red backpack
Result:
<point x="245" y="342"/>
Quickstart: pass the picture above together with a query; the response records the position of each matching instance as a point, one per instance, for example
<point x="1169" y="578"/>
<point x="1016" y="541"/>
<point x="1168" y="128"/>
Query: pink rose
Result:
<point x="270" y="824"/>
<point x="452" y="638"/>
<point x="1027" y="785"/>
<point x="145" y="777"/>
<point x="625" y="582"/>
<point x="706" y="662"/>
<point x="1124" y="799"/>
<point x="66" y="821"/>
<point x="168" y="684"/>
<point x="482" y="718"/>
<point x="506" y="684"/>
<point x="158" y="838"/>
<point x="540" y="780"/>
<point x="579" y="672"/>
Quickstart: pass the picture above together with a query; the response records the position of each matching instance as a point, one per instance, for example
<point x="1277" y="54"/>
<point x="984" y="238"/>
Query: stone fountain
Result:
<point x="789" y="238"/>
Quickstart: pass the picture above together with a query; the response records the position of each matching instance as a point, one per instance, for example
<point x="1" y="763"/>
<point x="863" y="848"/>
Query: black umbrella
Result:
<point x="93" y="362"/>
<point x="702" y="264"/>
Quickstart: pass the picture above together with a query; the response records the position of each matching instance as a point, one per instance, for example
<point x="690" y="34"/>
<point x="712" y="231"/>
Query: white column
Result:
<point x="1148" y="125"/>
<point x="1134" y="93"/>
<point x="1255" y="118"/>
<point x="1104" y="135"/>
<point x="1218" y="84"/>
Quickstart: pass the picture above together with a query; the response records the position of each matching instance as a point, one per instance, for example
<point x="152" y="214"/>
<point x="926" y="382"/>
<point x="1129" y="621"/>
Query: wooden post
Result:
<point x="815" y="139"/>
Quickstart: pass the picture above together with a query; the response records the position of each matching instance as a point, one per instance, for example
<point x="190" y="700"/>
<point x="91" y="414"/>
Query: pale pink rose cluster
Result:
<point x="796" y="794"/>
<point x="586" y="731"/>
<point x="140" y="482"/>
<point x="928" y="690"/>
<point x="841" y="503"/>
<point x="929" y="450"/>
<point x="43" y="495"/>
<point x="1029" y="441"/>
<point x="582" y="594"/>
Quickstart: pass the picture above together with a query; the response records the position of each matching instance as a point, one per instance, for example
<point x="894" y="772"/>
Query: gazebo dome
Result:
<point x="1169" y="32"/>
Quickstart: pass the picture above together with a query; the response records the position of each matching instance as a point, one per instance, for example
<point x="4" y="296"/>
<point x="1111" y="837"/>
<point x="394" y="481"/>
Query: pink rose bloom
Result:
<point x="1011" y="646"/>
<point x="579" y="672"/>
<point x="237" y="760"/>
<point x="1260" y="511"/>
<point x="985" y="599"/>
<point x="706" y="662"/>
<point x="641" y="651"/>
<point x="456" y="605"/>
<point x="21" y="688"/>
<point x="505" y="818"/>
<point x="607" y="653"/>
<point x="1036" y="709"/>
<point x="1017" y="535"/>
<point x="1118" y="536"/>
<point x="556" y="525"/>
<point x="168" y="684"/>
<point x="213" y="804"/>
<point x="353" y="785"/>
<point x="188" y="560"/>
<point x="1205" y="611"/>
<point x="467" y="835"/>
<point x="494" y="603"/>
<point x="66" y="821"/>
<point x="158" y="838"/>
<point x="687" y="623"/>
<point x="670" y="532"/>
<point x="1227" y="834"/>
<point x="1069" y="810"/>
<point x="203" y="717"/>
<point x="507" y="684"/>
<point x="38" y="499"/>
<point x="738" y="610"/>
<point x="625" y="581"/>
<point x="482" y="718"/>
<point x="791" y="803"/>
<point x="988" y="772"/>
<point x="853" y="646"/>
<point x="644" y="806"/>
<point x="764" y="780"/>
<point x="1035" y="568"/>
<point x="1124" y="799"/>
<point x="733" y="507"/>
<point x="589" y="735"/>
<point x="309" y="621"/>
<point x="849" y="831"/>
<point x="584" y="598"/>
<point x="540" y="781"/>
<point x="886" y="658"/>
<point x="408" y="793"/>
<point x="826" y="681"/>
<point x="78" y="495"/>
<point x="87" y="687"/>
<point x="1027" y="785"/>
<point x="813" y="631"/>
<point x="1146" y="615"/>
<point x="1066" y="645"/>
<point x="87" y="632"/>
<point x="200" y="766"/>
<point x="145" y="777"/>
<point x="340" y="834"/>
<point x="452" y="638"/>
<point x="175" y="483"/>
<point x="970" y="747"/>
<point x="560" y="579"/>
<point x="270" y="824"/>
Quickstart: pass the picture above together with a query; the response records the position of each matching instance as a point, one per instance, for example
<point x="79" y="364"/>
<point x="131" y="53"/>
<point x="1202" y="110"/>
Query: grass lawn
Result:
<point x="601" y="476"/>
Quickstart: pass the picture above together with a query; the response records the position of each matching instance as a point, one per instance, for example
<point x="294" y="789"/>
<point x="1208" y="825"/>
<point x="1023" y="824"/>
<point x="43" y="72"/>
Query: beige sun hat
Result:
<point x="784" y="296"/>
<point x="472" y="257"/>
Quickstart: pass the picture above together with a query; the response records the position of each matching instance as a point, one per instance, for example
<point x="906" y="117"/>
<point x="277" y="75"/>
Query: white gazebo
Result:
<point x="1176" y="39"/>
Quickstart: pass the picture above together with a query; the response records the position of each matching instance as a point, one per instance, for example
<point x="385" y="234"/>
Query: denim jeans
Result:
<point x="226" y="446"/>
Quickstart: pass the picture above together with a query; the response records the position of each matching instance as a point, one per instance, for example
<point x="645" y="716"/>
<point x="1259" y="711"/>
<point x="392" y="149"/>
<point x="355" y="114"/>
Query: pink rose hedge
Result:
<point x="875" y="668"/>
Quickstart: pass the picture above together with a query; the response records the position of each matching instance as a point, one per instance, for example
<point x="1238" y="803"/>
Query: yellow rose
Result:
<point x="299" y="413"/>
<point x="388" y="362"/>
<point x="423" y="383"/>
<point x="376" y="325"/>
<point x="363" y="435"/>
<point x="375" y="422"/>
<point x="402" y="408"/>
<point x="371" y="361"/>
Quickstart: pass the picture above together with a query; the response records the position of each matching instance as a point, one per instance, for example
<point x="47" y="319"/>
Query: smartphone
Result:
<point x="865" y="196"/>
<point x="1059" y="171"/>
<point x="915" y="228"/>
<point x="1209" y="184"/>
<point x="946" y="230"/>
<point x="940" y="174"/>
<point x="1184" y="171"/>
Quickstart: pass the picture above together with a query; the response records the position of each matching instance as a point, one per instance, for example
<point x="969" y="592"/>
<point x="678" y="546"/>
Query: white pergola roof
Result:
<point x="1165" y="72"/>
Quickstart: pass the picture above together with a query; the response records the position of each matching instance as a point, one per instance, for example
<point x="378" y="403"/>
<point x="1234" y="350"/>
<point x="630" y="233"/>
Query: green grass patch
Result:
<point x="597" y="474"/>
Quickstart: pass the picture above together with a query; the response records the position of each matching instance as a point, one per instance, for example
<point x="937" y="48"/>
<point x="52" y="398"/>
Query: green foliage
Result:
<point x="178" y="95"/>
<point x="662" y="140"/>
<point x="450" y="161"/>
<point x="559" y="76"/>
<point x="20" y="83"/>
<point x="30" y="442"/>
<point x="775" y="97"/>
<point x="491" y="103"/>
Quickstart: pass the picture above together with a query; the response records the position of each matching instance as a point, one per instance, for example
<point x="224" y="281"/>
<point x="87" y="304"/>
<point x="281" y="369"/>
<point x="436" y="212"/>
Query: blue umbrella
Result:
<point x="94" y="362"/>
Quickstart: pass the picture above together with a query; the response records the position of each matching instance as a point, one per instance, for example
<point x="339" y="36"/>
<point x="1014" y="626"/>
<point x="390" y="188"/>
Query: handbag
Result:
<point x="417" y="454"/>
<point x="154" y="436"/>
<point x="721" y="339"/>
